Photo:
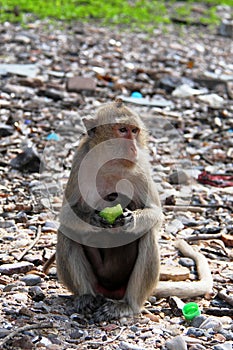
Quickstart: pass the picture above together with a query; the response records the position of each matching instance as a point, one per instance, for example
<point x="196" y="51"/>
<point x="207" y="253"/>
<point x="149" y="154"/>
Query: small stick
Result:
<point x="203" y="237"/>
<point x="110" y="340"/>
<point x="200" y="207"/>
<point x="23" y="329"/>
<point x="48" y="263"/>
<point x="36" y="239"/>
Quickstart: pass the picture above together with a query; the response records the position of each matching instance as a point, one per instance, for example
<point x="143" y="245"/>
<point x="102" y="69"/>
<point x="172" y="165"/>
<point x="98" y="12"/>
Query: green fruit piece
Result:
<point x="111" y="213"/>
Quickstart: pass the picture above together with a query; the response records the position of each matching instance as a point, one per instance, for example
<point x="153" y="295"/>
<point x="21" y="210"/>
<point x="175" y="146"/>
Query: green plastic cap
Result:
<point x="191" y="310"/>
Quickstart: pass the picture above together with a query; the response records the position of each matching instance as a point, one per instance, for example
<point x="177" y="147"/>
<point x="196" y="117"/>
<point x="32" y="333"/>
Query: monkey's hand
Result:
<point x="97" y="220"/>
<point x="126" y="221"/>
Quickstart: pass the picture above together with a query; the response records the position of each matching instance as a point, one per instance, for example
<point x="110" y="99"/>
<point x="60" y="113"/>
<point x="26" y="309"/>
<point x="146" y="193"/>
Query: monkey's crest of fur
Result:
<point x="116" y="113"/>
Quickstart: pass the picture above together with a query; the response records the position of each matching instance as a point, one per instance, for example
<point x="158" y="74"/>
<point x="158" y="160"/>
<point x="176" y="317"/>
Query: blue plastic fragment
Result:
<point x="136" y="94"/>
<point x="53" y="136"/>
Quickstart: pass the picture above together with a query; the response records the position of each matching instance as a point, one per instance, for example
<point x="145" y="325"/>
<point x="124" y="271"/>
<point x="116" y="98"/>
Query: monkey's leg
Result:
<point x="73" y="267"/>
<point x="141" y="284"/>
<point x="145" y="274"/>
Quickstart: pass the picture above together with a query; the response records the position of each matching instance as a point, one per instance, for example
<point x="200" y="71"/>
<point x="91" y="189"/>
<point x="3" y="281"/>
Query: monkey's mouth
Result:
<point x="122" y="199"/>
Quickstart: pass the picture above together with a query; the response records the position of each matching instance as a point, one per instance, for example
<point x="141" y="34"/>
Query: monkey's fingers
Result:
<point x="126" y="220"/>
<point x="98" y="221"/>
<point x="111" y="310"/>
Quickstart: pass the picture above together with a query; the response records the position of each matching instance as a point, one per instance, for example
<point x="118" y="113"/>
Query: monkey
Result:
<point x="114" y="268"/>
<point x="111" y="268"/>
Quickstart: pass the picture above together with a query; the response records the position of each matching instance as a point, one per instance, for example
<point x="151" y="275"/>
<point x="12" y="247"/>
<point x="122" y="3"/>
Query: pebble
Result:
<point x="226" y="346"/>
<point x="4" y="332"/>
<point x="228" y="334"/>
<point x="176" y="305"/>
<point x="176" y="343"/>
<point x="78" y="83"/>
<point x="78" y="333"/>
<point x="28" y="70"/>
<point x="195" y="332"/>
<point x="213" y="100"/>
<point x="213" y="323"/>
<point x="134" y="328"/>
<point x="174" y="226"/>
<point x="6" y="130"/>
<point x="197" y="347"/>
<point x="20" y="297"/>
<point x="27" y="161"/>
<point x="22" y="39"/>
<point x="9" y="287"/>
<point x="7" y="224"/>
<point x="187" y="262"/>
<point x="36" y="293"/>
<point x="185" y="90"/>
<point x="226" y="28"/>
<point x="179" y="178"/>
<point x="21" y="267"/>
<point x="170" y="83"/>
<point x="198" y="320"/>
<point x="31" y="280"/>
<point x="128" y="346"/>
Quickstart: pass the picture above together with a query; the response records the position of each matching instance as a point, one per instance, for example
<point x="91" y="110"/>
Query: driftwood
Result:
<point x="188" y="289"/>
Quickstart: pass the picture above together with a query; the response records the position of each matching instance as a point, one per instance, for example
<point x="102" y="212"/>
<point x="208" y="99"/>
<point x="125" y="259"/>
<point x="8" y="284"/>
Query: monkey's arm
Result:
<point x="73" y="226"/>
<point x="145" y="219"/>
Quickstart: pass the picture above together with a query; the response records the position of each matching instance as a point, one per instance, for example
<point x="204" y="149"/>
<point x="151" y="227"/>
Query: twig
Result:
<point x="48" y="263"/>
<point x="36" y="239"/>
<point x="110" y="340"/>
<point x="193" y="207"/>
<point x="203" y="237"/>
<point x="192" y="289"/>
<point x="25" y="328"/>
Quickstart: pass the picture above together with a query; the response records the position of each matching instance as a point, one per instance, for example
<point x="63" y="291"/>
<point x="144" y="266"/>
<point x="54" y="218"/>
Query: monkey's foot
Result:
<point x="87" y="303"/>
<point x="110" y="310"/>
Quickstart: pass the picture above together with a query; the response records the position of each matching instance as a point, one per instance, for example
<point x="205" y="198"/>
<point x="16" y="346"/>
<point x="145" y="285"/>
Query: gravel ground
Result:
<point x="51" y="76"/>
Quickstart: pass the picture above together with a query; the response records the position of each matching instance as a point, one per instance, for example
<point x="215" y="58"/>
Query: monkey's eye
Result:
<point x="123" y="130"/>
<point x="135" y="130"/>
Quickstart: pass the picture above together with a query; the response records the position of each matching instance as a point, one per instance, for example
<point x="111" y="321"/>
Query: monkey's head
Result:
<point x="119" y="129"/>
<point x="115" y="121"/>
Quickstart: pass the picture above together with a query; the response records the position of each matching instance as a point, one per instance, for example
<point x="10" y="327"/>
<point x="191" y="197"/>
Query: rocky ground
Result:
<point x="51" y="76"/>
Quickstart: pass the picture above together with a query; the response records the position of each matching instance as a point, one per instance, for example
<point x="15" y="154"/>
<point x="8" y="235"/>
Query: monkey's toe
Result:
<point x="111" y="310"/>
<point x="87" y="303"/>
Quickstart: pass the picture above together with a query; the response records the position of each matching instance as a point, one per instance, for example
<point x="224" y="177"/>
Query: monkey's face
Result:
<point x="119" y="140"/>
<point x="129" y="133"/>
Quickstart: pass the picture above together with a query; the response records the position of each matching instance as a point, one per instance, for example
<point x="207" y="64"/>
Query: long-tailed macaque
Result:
<point x="112" y="268"/>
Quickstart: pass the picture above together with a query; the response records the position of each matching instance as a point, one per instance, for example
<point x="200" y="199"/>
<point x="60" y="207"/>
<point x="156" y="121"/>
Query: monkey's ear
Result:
<point x="90" y="125"/>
